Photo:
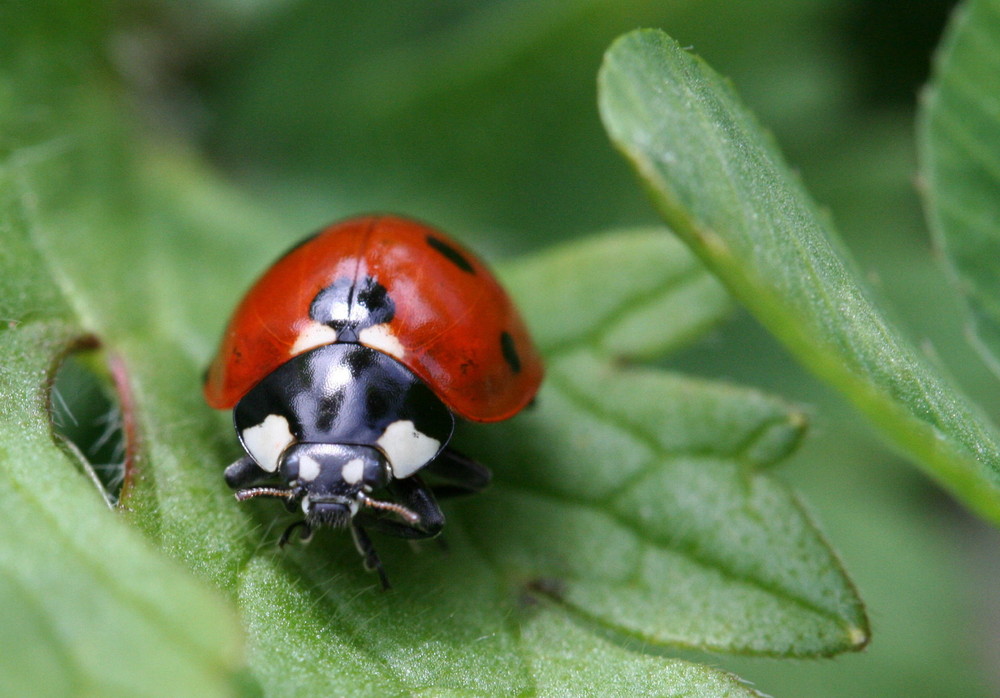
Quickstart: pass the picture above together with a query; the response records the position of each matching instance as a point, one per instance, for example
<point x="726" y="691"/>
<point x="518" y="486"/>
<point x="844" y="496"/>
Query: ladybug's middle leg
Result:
<point x="457" y="474"/>
<point x="305" y="537"/>
<point x="372" y="561"/>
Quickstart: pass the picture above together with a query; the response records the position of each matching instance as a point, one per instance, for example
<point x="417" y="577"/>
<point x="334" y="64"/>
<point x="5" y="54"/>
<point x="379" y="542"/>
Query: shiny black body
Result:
<point x="344" y="394"/>
<point x="338" y="401"/>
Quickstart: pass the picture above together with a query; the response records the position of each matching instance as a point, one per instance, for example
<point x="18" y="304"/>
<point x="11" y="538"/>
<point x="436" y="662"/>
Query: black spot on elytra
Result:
<point x="451" y="254"/>
<point x="350" y="307"/>
<point x="374" y="298"/>
<point x="510" y="352"/>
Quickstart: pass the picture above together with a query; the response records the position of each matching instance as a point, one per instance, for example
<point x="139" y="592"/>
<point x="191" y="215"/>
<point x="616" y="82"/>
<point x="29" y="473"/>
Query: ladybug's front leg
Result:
<point x="245" y="472"/>
<point x="415" y="496"/>
<point x="372" y="561"/>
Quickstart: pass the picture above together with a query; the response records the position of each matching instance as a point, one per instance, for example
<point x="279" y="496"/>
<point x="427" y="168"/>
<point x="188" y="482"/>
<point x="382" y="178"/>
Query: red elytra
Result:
<point x="455" y="325"/>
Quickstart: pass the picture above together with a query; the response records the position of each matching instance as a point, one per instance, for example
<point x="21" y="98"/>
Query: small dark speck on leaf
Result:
<point x="542" y="586"/>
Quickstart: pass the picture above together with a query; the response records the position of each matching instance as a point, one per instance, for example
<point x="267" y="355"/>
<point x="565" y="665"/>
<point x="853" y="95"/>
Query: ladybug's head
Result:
<point x="332" y="481"/>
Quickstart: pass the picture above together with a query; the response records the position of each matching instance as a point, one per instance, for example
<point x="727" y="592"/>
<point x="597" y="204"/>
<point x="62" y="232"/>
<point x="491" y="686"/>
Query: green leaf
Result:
<point x="559" y="649"/>
<point x="627" y="501"/>
<point x="661" y="468"/>
<point x="960" y="161"/>
<point x="633" y="511"/>
<point x="579" y="473"/>
<point x="633" y="295"/>
<point x="88" y="607"/>
<point x="722" y="186"/>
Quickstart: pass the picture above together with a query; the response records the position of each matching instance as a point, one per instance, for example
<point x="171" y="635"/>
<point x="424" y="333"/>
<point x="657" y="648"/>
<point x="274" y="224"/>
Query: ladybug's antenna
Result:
<point x="251" y="492"/>
<point x="398" y="509"/>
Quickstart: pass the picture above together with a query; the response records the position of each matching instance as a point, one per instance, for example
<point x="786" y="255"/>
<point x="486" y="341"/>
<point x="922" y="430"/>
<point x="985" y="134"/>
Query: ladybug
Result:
<point x="345" y="366"/>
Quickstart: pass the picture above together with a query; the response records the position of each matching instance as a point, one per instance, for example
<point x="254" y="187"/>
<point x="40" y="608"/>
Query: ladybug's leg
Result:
<point x="287" y="535"/>
<point x="245" y="472"/>
<point x="372" y="561"/>
<point x="458" y="474"/>
<point x="415" y="496"/>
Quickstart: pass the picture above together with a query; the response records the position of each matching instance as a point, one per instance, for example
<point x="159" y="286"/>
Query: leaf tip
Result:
<point x="858" y="637"/>
<point x="777" y="440"/>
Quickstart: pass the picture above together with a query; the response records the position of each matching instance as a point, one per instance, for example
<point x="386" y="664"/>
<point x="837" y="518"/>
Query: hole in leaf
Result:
<point x="86" y="414"/>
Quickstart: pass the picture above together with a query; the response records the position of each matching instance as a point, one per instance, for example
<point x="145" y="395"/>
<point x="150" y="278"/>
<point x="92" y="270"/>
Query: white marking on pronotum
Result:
<point x="406" y="448"/>
<point x="381" y="337"/>
<point x="308" y="468"/>
<point x="315" y="335"/>
<point x="305" y="505"/>
<point x="266" y="441"/>
<point x="353" y="471"/>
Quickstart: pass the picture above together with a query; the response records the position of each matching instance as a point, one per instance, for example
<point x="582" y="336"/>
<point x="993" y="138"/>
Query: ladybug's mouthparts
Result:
<point x="326" y="513"/>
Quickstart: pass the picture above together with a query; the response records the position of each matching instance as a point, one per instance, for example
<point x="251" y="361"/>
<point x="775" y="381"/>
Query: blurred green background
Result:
<point x="481" y="117"/>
